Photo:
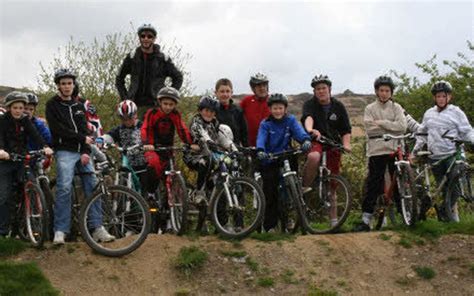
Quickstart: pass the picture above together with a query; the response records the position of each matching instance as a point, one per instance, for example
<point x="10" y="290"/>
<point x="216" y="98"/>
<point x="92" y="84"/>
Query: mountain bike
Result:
<point x="400" y="195"/>
<point x="456" y="184"/>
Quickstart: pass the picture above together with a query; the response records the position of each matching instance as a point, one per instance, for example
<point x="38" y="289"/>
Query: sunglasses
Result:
<point x="148" y="36"/>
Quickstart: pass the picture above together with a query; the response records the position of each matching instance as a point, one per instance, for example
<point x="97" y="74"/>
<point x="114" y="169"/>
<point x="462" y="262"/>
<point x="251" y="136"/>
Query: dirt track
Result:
<point x="351" y="264"/>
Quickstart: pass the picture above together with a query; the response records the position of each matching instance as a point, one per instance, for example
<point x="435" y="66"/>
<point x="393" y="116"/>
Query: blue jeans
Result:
<point x="10" y="173"/>
<point x="66" y="164"/>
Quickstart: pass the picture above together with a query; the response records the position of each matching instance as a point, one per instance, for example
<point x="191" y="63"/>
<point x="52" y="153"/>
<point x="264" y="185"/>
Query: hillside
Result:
<point x="348" y="264"/>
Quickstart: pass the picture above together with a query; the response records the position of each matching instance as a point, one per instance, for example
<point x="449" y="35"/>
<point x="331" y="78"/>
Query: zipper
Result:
<point x="75" y="127"/>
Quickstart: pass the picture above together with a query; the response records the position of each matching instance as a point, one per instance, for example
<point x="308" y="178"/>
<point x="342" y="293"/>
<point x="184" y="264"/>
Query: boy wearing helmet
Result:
<point x="71" y="140"/>
<point x="255" y="106"/>
<point x="38" y="123"/>
<point x="274" y="135"/>
<point x="441" y="123"/>
<point x="383" y="116"/>
<point x="15" y="127"/>
<point x="148" y="68"/>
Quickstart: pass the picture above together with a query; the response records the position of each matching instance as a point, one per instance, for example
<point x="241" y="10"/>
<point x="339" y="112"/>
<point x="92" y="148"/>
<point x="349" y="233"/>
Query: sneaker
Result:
<point x="101" y="235"/>
<point x="230" y="229"/>
<point x="129" y="233"/>
<point x="200" y="196"/>
<point x="290" y="225"/>
<point x="307" y="189"/>
<point x="59" y="238"/>
<point x="271" y="230"/>
<point x="361" y="227"/>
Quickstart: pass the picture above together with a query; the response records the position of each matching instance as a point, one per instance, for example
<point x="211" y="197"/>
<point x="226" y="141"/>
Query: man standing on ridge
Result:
<point x="148" y="68"/>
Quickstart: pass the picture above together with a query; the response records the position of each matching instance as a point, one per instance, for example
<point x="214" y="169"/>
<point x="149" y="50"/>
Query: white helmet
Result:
<point x="226" y="131"/>
<point x="127" y="108"/>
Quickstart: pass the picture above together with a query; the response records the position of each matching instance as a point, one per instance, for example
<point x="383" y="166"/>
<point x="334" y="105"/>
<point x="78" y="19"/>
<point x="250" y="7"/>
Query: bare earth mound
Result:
<point x="349" y="264"/>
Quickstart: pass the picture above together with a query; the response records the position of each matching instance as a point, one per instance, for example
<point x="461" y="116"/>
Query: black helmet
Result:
<point x="208" y="102"/>
<point x="64" y="73"/>
<point x="169" y="92"/>
<point x="258" y="78"/>
<point x="15" y="96"/>
<point x="441" y="86"/>
<point x="384" y="80"/>
<point x="32" y="99"/>
<point x="277" y="98"/>
<point x="146" y="27"/>
<point x="321" y="79"/>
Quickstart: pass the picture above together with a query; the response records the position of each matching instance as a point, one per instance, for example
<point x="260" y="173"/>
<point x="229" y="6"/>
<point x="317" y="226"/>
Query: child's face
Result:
<point x="30" y="110"/>
<point x="207" y="114"/>
<point x="278" y="110"/>
<point x="323" y="93"/>
<point x="167" y="105"/>
<point x="129" y="121"/>
<point x="17" y="109"/>
<point x="442" y="99"/>
<point x="224" y="94"/>
<point x="66" y="86"/>
<point x="261" y="90"/>
<point x="384" y="93"/>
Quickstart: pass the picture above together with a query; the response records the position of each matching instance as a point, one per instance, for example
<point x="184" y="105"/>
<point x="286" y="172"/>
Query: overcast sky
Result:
<point x="352" y="42"/>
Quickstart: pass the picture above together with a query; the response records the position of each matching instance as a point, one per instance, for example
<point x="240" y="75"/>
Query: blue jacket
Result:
<point x="275" y="135"/>
<point x="44" y="132"/>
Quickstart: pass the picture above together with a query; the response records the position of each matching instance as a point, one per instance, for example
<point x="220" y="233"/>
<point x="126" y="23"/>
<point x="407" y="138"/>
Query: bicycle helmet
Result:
<point x="384" y="80"/>
<point x="146" y="27"/>
<point x="258" y="78"/>
<point x="208" y="102"/>
<point x="226" y="131"/>
<point x="64" y="73"/>
<point x="32" y="99"/>
<point x="441" y="86"/>
<point x="15" y="96"/>
<point x="321" y="79"/>
<point x="277" y="98"/>
<point x="127" y="109"/>
<point x="169" y="92"/>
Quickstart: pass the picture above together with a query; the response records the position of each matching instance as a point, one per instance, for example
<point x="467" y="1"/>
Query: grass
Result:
<point x="272" y="237"/>
<point x="385" y="237"/>
<point x="265" y="282"/>
<point x="471" y="268"/>
<point x="405" y="282"/>
<point x="288" y="277"/>
<point x="24" y="279"/>
<point x="182" y="292"/>
<point x="315" y="291"/>
<point x="252" y="264"/>
<point x="234" y="254"/>
<point x="407" y="240"/>
<point x="190" y="259"/>
<point x="10" y="247"/>
<point x="425" y="272"/>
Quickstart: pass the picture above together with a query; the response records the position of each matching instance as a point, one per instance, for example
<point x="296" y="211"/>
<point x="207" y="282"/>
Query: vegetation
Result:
<point x="23" y="279"/>
<point x="265" y="282"/>
<point x="10" y="247"/>
<point x="424" y="272"/>
<point x="190" y="259"/>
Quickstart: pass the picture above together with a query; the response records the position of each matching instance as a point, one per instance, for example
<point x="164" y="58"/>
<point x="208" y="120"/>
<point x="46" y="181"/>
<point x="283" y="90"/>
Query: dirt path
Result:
<point x="349" y="264"/>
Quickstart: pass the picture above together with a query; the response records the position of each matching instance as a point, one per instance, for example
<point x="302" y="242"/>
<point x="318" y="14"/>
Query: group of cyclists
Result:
<point x="149" y="118"/>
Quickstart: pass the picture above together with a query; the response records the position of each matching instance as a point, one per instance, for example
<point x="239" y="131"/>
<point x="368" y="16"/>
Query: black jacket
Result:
<point x="147" y="76"/>
<point x="333" y="124"/>
<point x="15" y="132"/>
<point x="233" y="116"/>
<point x="68" y="125"/>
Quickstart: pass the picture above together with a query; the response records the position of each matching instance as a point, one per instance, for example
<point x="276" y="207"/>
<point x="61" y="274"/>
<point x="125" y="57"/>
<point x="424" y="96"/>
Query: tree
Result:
<point x="416" y="97"/>
<point x="97" y="63"/>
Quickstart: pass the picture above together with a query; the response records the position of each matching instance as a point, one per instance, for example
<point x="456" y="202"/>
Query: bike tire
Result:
<point x="408" y="196"/>
<point x="318" y="206"/>
<point x="178" y="204"/>
<point x="252" y="202"/>
<point x="115" y="207"/>
<point x="49" y="198"/>
<point x="459" y="197"/>
<point x="36" y="214"/>
<point x="295" y="195"/>
<point x="379" y="217"/>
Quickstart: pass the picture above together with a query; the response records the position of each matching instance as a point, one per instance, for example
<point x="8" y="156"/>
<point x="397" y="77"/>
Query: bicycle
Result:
<point x="41" y="168"/>
<point x="31" y="219"/>
<point x="402" y="180"/>
<point x="458" y="179"/>
<point x="329" y="202"/>
<point x="236" y="203"/>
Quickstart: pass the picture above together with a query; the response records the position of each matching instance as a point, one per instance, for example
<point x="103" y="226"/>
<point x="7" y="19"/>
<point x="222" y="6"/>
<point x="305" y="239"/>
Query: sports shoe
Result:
<point x="59" y="238"/>
<point x="101" y="235"/>
<point x="307" y="189"/>
<point x="200" y="196"/>
<point x="290" y="225"/>
<point x="361" y="227"/>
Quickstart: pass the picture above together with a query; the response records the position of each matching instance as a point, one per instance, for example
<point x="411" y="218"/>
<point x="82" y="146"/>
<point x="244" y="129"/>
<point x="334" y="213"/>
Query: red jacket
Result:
<point x="255" y="111"/>
<point x="159" y="128"/>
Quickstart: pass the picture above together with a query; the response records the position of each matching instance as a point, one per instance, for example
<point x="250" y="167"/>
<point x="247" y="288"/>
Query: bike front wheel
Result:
<point x="36" y="214"/>
<point x="327" y="205"/>
<point x="121" y="212"/>
<point x="237" y="207"/>
<point x="408" y="196"/>
<point x="459" y="198"/>
<point x="177" y="202"/>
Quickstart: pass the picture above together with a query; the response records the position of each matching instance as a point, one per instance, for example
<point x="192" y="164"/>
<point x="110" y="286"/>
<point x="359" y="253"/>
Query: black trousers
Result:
<point x="376" y="180"/>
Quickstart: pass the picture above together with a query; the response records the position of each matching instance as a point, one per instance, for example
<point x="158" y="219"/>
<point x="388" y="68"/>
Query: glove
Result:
<point x="261" y="155"/>
<point x="212" y="145"/>
<point x="306" y="146"/>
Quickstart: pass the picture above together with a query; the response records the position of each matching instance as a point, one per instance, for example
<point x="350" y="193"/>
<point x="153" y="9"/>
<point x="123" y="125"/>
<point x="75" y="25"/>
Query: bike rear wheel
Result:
<point x="240" y="220"/>
<point x="408" y="196"/>
<point x="49" y="198"/>
<point x="459" y="198"/>
<point x="178" y="203"/>
<point x="328" y="205"/>
<point x="123" y="213"/>
<point x="36" y="214"/>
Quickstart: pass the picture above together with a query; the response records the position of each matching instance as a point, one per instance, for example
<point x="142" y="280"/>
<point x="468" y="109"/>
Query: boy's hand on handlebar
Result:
<point x="48" y="151"/>
<point x="148" y="147"/>
<point x="262" y="155"/>
<point x="315" y="134"/>
<point x="85" y="158"/>
<point x="195" y="147"/>
<point x="4" y="155"/>
<point x="306" y="146"/>
<point x="89" y="140"/>
<point x="347" y="148"/>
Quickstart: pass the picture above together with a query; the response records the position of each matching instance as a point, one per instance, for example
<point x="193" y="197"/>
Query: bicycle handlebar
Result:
<point x="284" y="154"/>
<point x="34" y="154"/>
